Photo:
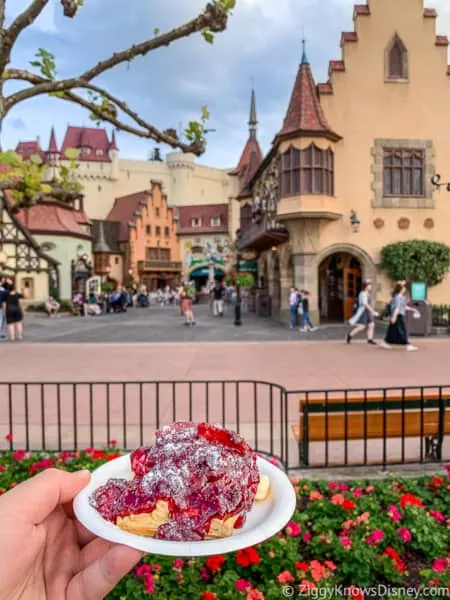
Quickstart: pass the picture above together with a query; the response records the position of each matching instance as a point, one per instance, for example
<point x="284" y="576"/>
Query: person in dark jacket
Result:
<point x="218" y="296"/>
<point x="13" y="314"/>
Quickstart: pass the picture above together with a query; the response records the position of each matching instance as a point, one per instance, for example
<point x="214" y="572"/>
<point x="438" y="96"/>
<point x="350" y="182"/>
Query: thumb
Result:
<point x="33" y="500"/>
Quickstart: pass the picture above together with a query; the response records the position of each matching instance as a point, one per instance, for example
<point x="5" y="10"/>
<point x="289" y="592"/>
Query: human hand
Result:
<point x="46" y="553"/>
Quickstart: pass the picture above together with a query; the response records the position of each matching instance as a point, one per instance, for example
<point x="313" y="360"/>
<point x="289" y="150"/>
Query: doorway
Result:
<point x="340" y="280"/>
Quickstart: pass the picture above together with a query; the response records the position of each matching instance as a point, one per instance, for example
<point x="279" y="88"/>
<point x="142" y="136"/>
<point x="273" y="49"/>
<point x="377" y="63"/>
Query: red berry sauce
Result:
<point x="204" y="472"/>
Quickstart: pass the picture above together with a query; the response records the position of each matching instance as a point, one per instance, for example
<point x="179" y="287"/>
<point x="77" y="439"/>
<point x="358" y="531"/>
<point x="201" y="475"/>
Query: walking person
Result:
<point x="14" y="314"/>
<point x="294" y="301"/>
<point x="218" y="296"/>
<point x="307" y="324"/>
<point x="188" y="293"/>
<point x="365" y="315"/>
<point x="397" y="334"/>
<point x="3" y="296"/>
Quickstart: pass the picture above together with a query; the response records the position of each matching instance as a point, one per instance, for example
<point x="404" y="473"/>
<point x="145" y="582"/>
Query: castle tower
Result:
<point x="114" y="156"/>
<point x="52" y="155"/>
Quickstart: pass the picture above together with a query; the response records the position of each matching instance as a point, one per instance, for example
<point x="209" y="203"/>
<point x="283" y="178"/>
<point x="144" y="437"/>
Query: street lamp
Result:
<point x="354" y="221"/>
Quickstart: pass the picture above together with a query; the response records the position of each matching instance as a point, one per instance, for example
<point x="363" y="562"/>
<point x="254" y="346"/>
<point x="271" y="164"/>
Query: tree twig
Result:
<point x="146" y="130"/>
<point x="214" y="18"/>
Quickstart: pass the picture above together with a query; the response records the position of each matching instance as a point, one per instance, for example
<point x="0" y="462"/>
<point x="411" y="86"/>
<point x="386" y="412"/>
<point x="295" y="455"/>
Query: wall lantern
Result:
<point x="436" y="181"/>
<point x="354" y="221"/>
<point x="274" y="249"/>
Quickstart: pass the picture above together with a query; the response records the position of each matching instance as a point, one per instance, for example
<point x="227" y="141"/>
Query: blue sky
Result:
<point x="169" y="87"/>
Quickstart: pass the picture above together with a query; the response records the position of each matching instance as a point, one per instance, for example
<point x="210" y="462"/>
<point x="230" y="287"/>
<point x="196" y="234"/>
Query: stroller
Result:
<point x="142" y="300"/>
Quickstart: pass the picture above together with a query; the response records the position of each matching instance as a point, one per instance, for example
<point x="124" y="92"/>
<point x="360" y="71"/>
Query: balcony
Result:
<point x="156" y="265"/>
<point x="309" y="206"/>
<point x="262" y="233"/>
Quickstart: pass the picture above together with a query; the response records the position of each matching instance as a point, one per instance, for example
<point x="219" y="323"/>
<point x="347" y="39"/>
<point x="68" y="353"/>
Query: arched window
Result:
<point x="397" y="59"/>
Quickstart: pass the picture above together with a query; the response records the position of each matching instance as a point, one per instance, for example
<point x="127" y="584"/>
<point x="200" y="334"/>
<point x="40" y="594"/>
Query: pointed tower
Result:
<point x="101" y="251"/>
<point x="114" y="156"/>
<point x="251" y="156"/>
<point x="305" y="116"/>
<point x="52" y="155"/>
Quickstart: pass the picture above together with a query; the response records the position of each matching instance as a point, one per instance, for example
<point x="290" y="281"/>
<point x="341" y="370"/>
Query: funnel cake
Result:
<point x="197" y="482"/>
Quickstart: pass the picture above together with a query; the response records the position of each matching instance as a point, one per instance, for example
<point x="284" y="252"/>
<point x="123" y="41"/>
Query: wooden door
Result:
<point x="352" y="287"/>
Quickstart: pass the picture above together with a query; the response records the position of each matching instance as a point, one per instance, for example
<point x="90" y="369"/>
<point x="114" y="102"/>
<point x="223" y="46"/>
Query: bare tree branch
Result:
<point x="2" y="13"/>
<point x="146" y="130"/>
<point x="214" y="18"/>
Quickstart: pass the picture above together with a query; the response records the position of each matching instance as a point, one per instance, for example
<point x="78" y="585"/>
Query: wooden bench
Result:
<point x="359" y="416"/>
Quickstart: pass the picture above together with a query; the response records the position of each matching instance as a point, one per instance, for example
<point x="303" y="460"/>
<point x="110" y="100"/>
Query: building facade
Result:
<point x="205" y="242"/>
<point x="147" y="236"/>
<point x="360" y="149"/>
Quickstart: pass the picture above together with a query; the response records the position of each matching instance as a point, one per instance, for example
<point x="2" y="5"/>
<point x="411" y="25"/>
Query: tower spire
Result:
<point x="253" y="121"/>
<point x="305" y="60"/>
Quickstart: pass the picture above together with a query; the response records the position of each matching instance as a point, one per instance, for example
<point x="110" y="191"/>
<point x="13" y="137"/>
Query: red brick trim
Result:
<point x="430" y="13"/>
<point x="325" y="89"/>
<point x="442" y="40"/>
<point x="336" y="65"/>
<point x="361" y="10"/>
<point x="348" y="36"/>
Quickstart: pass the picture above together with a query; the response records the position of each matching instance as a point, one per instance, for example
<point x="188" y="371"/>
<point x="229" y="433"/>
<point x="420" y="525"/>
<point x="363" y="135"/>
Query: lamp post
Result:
<point x="238" y="301"/>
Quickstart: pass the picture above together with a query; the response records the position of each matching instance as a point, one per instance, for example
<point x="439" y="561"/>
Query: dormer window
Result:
<point x="99" y="152"/>
<point x="215" y="221"/>
<point x="85" y="150"/>
<point x="196" y="222"/>
<point x="396" y="60"/>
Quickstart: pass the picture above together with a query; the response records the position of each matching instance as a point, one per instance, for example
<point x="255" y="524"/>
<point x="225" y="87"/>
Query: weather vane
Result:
<point x="436" y="181"/>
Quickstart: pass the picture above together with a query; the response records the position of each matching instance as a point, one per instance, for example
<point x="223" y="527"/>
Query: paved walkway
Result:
<point x="164" y="324"/>
<point x="292" y="362"/>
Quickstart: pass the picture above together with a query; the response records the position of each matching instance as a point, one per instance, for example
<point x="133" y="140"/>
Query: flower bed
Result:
<point x="393" y="533"/>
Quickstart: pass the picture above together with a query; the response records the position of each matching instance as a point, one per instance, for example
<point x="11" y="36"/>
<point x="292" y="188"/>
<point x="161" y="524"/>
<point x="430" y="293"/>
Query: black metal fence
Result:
<point x="440" y="315"/>
<point x="377" y="426"/>
<point x="301" y="429"/>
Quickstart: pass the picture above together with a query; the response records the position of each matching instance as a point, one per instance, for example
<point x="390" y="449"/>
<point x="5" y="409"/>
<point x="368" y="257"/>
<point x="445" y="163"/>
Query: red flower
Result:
<point x="391" y="553"/>
<point x="2" y="468"/>
<point x="46" y="463"/>
<point x="214" y="563"/>
<point x="19" y="455"/>
<point x="208" y="596"/>
<point x="112" y="443"/>
<point x="247" y="557"/>
<point x="9" y="437"/>
<point x="112" y="456"/>
<point x="348" y="504"/>
<point x="301" y="566"/>
<point x="436" y="482"/>
<point x="355" y="593"/>
<point x="411" y="500"/>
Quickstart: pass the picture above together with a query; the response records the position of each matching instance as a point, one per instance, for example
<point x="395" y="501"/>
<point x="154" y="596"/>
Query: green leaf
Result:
<point x="208" y="36"/>
<point x="156" y="31"/>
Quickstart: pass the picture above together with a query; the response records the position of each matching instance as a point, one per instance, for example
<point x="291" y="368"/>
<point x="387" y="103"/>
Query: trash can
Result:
<point x="419" y="326"/>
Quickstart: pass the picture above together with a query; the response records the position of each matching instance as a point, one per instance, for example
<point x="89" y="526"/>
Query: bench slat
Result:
<point x="374" y="428"/>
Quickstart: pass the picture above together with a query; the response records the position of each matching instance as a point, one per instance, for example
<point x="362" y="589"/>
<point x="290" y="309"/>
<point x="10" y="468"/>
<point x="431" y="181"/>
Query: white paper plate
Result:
<point x="263" y="521"/>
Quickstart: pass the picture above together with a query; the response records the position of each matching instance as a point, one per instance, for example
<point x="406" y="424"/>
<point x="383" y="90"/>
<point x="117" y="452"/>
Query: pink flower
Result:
<point x="19" y="455"/>
<point x="394" y="513"/>
<point x="370" y="489"/>
<point x="204" y="574"/>
<point x="334" y="485"/>
<point x="364" y="517"/>
<point x="148" y="584"/>
<point x="285" y="577"/>
<point x="440" y="565"/>
<point x="404" y="534"/>
<point x="9" y="437"/>
<point x="348" y="524"/>
<point x="307" y="537"/>
<point x="255" y="595"/>
<point x="293" y="529"/>
<point x="143" y="570"/>
<point x="315" y="495"/>
<point x="112" y="443"/>
<point x="438" y="516"/>
<point x="242" y="585"/>
<point x="337" y="499"/>
<point x="344" y="487"/>
<point x="358" y="492"/>
<point x="330" y="565"/>
<point x="375" y="537"/>
<point x="318" y="571"/>
<point x="346" y="541"/>
<point x="177" y="564"/>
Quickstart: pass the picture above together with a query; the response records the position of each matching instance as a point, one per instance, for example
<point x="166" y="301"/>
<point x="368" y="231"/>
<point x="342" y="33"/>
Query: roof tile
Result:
<point x="123" y="211"/>
<point x="53" y="218"/>
<point x="93" y="138"/>
<point x="305" y="111"/>
<point x="203" y="212"/>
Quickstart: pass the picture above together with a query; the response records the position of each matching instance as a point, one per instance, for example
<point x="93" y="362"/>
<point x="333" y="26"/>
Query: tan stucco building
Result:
<point x="365" y="144"/>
